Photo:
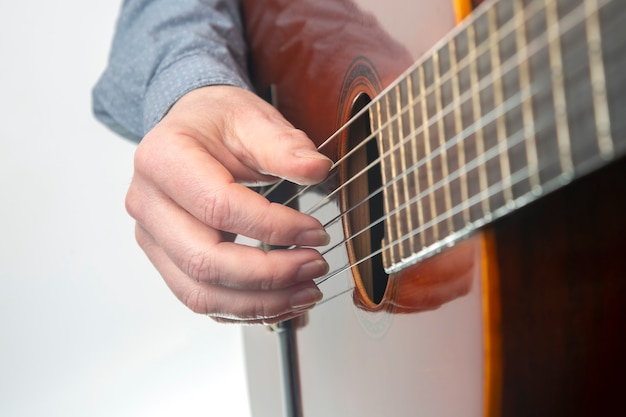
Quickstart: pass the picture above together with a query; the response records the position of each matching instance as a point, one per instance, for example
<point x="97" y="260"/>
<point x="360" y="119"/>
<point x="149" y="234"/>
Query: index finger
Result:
<point x="200" y="184"/>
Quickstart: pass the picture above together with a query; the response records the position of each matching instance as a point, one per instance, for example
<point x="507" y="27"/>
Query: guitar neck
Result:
<point x="522" y="98"/>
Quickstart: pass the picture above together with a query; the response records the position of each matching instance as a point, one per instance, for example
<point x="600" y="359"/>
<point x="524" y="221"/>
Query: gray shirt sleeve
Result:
<point x="163" y="49"/>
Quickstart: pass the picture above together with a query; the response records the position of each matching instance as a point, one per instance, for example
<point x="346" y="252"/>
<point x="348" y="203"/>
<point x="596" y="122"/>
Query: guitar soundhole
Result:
<point x="364" y="202"/>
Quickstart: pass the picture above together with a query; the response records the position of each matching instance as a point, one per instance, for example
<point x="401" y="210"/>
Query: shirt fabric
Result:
<point x="162" y="49"/>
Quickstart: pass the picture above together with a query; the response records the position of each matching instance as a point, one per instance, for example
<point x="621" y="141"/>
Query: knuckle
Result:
<point x="198" y="301"/>
<point x="132" y="203"/>
<point x="215" y="208"/>
<point x="262" y="311"/>
<point x="200" y="266"/>
<point x="269" y="220"/>
<point x="272" y="233"/>
<point x="144" y="157"/>
<point x="154" y="156"/>
<point x="272" y="280"/>
<point x="289" y="135"/>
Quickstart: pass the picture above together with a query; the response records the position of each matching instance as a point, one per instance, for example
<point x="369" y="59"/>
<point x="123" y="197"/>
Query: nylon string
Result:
<point x="567" y="23"/>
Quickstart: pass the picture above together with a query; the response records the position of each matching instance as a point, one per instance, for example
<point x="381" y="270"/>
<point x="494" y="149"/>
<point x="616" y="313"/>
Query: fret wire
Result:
<point x="520" y="136"/>
<point x="457" y="208"/>
<point x="386" y="201"/>
<point x="458" y="126"/>
<point x="420" y="209"/>
<point x="520" y="175"/>
<point x="532" y="158"/>
<point x="558" y="89"/>
<point x="442" y="138"/>
<point x="531" y="9"/>
<point x="394" y="167"/>
<point x="527" y="54"/>
<point x="491" y="191"/>
<point x="498" y="98"/>
<point x="516" y="177"/>
<point x="598" y="82"/>
<point x="427" y="150"/>
<point x="403" y="161"/>
<point x="508" y="28"/>
<point x="528" y="49"/>
<point x="492" y="152"/>
<point x="480" y="142"/>
<point x="490" y="187"/>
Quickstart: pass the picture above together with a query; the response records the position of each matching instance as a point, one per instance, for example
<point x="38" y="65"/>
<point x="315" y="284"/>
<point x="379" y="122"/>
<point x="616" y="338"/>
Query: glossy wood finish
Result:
<point x="563" y="314"/>
<point x="308" y="48"/>
<point x="319" y="56"/>
<point x="532" y="323"/>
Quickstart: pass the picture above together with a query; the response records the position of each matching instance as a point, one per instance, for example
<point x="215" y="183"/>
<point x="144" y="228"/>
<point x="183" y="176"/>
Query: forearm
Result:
<point x="163" y="49"/>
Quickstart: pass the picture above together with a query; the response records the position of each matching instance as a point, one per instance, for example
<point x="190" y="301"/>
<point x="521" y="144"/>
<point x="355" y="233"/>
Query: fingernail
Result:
<point x="313" y="269"/>
<point x="306" y="153"/>
<point x="306" y="297"/>
<point x="315" y="237"/>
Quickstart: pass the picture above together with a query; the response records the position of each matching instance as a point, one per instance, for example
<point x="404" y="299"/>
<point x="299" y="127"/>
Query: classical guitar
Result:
<point x="476" y="206"/>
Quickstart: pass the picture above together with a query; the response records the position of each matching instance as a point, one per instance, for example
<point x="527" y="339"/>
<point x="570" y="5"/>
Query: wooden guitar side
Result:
<point x="563" y="275"/>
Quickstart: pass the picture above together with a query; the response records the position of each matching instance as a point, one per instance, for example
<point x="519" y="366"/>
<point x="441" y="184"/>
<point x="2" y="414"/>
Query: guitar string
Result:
<point x="334" y="296"/>
<point x="518" y="176"/>
<point x="515" y="178"/>
<point x="530" y="11"/>
<point x="486" y="119"/>
<point x="485" y="82"/>
<point x="511" y="64"/>
<point x="447" y="180"/>
<point x="494" y="152"/>
<point x="493" y="115"/>
<point x="458" y="29"/>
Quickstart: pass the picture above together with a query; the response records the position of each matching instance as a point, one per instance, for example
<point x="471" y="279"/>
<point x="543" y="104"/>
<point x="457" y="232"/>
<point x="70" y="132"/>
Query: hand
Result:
<point x="189" y="201"/>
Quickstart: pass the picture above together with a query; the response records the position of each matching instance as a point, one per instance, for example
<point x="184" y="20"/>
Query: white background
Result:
<point x="87" y="327"/>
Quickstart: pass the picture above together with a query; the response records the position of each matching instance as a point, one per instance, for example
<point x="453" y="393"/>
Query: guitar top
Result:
<point x="475" y="206"/>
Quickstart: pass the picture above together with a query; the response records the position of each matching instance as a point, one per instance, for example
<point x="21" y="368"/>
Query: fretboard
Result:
<point x="522" y="98"/>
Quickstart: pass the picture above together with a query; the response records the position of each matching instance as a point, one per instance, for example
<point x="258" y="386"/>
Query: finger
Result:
<point x="203" y="187"/>
<point x="203" y="254"/>
<point x="280" y="150"/>
<point x="228" y="303"/>
<point x="256" y="134"/>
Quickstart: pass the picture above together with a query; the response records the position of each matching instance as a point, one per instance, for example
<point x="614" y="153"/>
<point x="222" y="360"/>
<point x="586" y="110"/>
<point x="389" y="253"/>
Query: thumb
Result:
<point x="290" y="154"/>
<point x="272" y="146"/>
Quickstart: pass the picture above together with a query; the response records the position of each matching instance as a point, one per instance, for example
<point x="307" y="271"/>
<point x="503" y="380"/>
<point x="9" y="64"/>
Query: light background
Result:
<point x="87" y="327"/>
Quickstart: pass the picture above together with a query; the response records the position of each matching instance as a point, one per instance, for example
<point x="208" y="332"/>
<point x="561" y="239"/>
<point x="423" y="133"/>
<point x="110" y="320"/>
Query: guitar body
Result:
<point x="521" y="318"/>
